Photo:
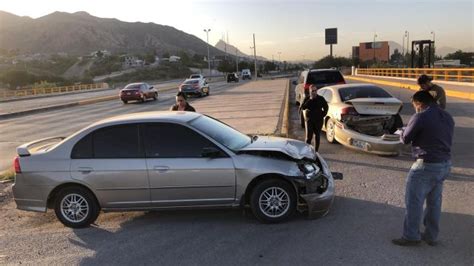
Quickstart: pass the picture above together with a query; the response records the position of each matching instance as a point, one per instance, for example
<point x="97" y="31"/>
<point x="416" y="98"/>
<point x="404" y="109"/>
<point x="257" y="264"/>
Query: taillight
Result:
<point x="16" y="164"/>
<point x="349" y="111"/>
<point x="306" y="86"/>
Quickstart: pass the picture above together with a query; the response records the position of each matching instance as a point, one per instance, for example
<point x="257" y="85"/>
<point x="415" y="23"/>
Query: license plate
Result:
<point x="359" y="143"/>
<point x="128" y="93"/>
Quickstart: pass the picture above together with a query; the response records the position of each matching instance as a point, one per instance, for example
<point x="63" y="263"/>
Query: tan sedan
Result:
<point x="363" y="117"/>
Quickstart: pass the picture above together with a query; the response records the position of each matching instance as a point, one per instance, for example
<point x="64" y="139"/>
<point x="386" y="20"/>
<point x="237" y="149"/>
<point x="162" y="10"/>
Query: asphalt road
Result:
<point x="366" y="215"/>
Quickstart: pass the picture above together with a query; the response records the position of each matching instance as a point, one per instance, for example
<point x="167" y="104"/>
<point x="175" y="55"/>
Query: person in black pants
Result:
<point x="314" y="109"/>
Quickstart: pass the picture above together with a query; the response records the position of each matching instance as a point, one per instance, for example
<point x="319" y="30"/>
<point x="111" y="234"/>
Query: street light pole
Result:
<point x="279" y="61"/>
<point x="407" y="34"/>
<point x="373" y="47"/>
<point x="208" y="54"/>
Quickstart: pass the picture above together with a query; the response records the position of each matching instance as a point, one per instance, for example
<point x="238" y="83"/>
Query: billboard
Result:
<point x="331" y="36"/>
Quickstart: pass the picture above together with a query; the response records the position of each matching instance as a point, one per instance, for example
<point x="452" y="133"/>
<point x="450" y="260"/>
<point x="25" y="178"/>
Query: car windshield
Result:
<point x="191" y="82"/>
<point x="222" y="133"/>
<point x="363" y="92"/>
<point x="324" y="77"/>
<point x="195" y="76"/>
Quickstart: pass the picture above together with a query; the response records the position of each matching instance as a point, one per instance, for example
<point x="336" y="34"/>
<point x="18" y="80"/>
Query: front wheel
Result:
<point x="76" y="207"/>
<point x="155" y="96"/>
<point x="273" y="201"/>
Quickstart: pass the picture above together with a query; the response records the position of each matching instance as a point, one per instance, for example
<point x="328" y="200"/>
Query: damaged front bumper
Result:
<point x="317" y="195"/>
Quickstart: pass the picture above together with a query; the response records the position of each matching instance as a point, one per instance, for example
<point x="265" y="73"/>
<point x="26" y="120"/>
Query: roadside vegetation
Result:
<point x="7" y="175"/>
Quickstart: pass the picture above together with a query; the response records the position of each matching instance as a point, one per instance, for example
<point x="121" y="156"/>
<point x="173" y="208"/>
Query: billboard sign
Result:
<point x="331" y="36"/>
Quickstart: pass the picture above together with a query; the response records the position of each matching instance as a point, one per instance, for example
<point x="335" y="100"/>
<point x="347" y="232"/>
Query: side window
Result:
<point x="117" y="142"/>
<point x="321" y="93"/>
<point x="328" y="96"/>
<point x="167" y="140"/>
<point x="83" y="148"/>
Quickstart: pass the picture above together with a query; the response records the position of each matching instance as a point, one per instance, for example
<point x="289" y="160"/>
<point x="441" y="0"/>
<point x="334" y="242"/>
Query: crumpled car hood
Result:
<point x="293" y="148"/>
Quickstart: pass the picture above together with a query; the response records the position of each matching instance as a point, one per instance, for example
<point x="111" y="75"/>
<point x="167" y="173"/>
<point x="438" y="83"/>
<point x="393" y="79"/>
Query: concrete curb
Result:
<point x="413" y="87"/>
<point x="67" y="105"/>
<point x="285" y="128"/>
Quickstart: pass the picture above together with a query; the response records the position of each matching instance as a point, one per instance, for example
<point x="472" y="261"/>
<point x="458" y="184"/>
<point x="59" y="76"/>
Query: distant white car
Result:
<point x="246" y="74"/>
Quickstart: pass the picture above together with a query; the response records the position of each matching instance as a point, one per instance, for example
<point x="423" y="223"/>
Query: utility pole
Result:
<point x="208" y="54"/>
<point x="236" y="60"/>
<point x="255" y="56"/>
<point x="279" y="61"/>
<point x="434" y="48"/>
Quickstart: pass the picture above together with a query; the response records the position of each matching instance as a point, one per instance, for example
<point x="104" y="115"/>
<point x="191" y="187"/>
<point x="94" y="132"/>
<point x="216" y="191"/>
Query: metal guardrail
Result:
<point x="448" y="74"/>
<point x="6" y="94"/>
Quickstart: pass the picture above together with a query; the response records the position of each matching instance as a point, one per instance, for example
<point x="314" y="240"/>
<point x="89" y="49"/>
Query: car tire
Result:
<point x="273" y="201"/>
<point x="330" y="131"/>
<point x="155" y="96"/>
<point x="81" y="198"/>
<point x="124" y="101"/>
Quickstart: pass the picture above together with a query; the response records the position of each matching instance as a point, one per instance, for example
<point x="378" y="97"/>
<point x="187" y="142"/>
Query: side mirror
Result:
<point x="151" y="87"/>
<point x="294" y="82"/>
<point x="210" y="152"/>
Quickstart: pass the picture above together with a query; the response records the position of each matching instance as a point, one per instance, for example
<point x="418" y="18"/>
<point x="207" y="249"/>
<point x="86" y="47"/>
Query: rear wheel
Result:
<point x="273" y="201"/>
<point x="124" y="101"/>
<point x="76" y="207"/>
<point x="155" y="96"/>
<point x="330" y="131"/>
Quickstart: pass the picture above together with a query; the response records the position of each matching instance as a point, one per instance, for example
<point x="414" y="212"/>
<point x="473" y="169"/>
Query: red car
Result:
<point x="138" y="92"/>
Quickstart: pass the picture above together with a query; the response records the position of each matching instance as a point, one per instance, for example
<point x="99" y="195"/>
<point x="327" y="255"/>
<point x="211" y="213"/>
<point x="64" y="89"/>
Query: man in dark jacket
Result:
<point x="430" y="132"/>
<point x="314" y="109"/>
<point x="436" y="91"/>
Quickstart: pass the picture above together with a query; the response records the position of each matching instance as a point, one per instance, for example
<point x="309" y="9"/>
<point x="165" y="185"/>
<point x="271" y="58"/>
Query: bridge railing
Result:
<point x="7" y="94"/>
<point x="448" y="74"/>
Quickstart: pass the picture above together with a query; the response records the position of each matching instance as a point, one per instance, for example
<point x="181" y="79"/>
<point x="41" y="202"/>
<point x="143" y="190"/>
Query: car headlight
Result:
<point x="310" y="170"/>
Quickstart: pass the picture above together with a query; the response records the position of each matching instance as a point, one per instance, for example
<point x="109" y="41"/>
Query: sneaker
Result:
<point x="405" y="242"/>
<point x="428" y="241"/>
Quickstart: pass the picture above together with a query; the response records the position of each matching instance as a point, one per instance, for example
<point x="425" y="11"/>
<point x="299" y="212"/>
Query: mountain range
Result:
<point x="81" y="33"/>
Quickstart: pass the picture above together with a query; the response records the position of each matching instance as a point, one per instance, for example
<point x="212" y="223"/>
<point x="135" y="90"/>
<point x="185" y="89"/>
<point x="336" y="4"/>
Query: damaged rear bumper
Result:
<point x="384" y="145"/>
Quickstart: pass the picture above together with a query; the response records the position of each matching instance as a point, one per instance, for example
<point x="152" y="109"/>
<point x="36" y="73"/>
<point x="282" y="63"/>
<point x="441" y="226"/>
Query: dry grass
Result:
<point x="7" y="175"/>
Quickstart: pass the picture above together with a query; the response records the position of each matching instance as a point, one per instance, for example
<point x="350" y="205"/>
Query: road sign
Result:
<point x="331" y="36"/>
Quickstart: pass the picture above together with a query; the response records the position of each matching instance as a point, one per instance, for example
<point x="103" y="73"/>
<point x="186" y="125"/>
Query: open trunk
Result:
<point x="375" y="116"/>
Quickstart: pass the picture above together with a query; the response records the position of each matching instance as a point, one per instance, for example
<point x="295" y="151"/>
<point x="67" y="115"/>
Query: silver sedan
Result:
<point x="162" y="160"/>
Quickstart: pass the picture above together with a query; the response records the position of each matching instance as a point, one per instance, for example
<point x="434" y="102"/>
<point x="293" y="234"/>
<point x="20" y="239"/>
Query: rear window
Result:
<point x="191" y="82"/>
<point x="363" y="92"/>
<point x="324" y="77"/>
<point x="132" y="87"/>
<point x="195" y="76"/>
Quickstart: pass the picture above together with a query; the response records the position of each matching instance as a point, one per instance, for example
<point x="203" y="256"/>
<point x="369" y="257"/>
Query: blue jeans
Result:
<point x="424" y="182"/>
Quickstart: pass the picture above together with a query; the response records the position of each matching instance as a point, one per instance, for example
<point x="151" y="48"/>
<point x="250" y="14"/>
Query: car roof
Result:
<point x="161" y="116"/>
<point x="352" y="85"/>
<point x="323" y="69"/>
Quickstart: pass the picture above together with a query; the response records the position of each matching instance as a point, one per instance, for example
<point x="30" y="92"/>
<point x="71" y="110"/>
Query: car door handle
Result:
<point x="161" y="169"/>
<point x="85" y="170"/>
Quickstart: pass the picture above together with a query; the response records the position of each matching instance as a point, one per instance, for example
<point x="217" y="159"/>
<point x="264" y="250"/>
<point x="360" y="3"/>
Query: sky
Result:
<point x="285" y="30"/>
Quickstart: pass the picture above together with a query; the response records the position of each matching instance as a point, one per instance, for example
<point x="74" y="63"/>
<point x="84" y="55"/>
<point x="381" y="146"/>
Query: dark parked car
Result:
<point x="232" y="77"/>
<point x="138" y="92"/>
